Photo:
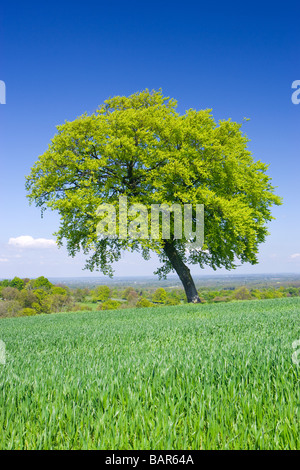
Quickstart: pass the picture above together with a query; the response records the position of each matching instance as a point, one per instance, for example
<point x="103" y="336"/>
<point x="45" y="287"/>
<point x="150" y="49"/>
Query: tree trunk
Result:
<point x="183" y="273"/>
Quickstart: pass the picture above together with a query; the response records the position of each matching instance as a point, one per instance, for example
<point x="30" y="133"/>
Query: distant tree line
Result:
<point x="25" y="297"/>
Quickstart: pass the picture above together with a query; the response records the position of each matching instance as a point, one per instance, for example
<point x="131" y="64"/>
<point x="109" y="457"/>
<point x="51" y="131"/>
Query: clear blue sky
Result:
<point x="60" y="59"/>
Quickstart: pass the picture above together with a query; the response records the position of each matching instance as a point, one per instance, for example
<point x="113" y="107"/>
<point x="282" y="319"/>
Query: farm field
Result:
<point x="213" y="376"/>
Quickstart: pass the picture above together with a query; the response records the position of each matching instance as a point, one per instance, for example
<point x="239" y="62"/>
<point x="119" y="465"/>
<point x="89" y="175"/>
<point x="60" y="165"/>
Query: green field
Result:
<point x="185" y="377"/>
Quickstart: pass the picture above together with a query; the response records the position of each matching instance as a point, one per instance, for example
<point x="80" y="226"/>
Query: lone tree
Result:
<point x="142" y="148"/>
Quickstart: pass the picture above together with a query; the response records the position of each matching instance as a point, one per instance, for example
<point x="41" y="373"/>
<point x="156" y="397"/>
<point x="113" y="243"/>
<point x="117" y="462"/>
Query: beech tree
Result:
<point x="142" y="148"/>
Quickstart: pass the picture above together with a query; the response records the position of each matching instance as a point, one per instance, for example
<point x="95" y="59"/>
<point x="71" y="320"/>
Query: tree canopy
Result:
<point x="142" y="148"/>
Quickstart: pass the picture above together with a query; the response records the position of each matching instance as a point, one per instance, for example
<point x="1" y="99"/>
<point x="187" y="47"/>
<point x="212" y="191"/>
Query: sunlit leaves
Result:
<point x="141" y="147"/>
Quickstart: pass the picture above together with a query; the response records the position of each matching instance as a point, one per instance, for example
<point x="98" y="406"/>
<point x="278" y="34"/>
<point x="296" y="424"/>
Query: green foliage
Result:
<point x="101" y="293"/>
<point x="42" y="283"/>
<point x="39" y="296"/>
<point x="293" y="291"/>
<point x="141" y="147"/>
<point x="210" y="295"/>
<point x="17" y="283"/>
<point x="62" y="299"/>
<point x="177" y="295"/>
<point x="242" y="293"/>
<point x="110" y="305"/>
<point x="27" y="312"/>
<point x="132" y="298"/>
<point x="171" y="301"/>
<point x="159" y="296"/>
<point x="81" y="307"/>
<point x="127" y="291"/>
<point x="80" y="294"/>
<point x="256" y="293"/>
<point x="143" y="302"/>
<point x="56" y="303"/>
<point x="10" y="293"/>
<point x="220" y="298"/>
<point x="57" y="290"/>
<point x="9" y="308"/>
<point x="27" y="298"/>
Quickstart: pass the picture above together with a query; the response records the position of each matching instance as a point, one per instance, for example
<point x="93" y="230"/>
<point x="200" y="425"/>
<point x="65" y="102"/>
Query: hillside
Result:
<point x="213" y="376"/>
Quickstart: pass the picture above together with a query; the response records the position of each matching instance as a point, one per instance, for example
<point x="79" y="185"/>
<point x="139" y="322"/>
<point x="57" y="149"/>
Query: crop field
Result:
<point x="214" y="376"/>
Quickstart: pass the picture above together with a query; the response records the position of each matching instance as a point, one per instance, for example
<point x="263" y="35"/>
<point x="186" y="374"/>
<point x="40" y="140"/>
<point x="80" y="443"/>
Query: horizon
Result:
<point x="169" y="276"/>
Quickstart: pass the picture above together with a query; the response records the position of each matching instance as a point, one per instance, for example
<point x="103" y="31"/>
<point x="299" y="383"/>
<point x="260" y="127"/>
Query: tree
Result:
<point x="159" y="296"/>
<point x="27" y="312"/>
<point x="101" y="293"/>
<point x="132" y="298"/>
<point x="127" y="291"/>
<point x="109" y="305"/>
<point x="172" y="301"/>
<point x="17" y="282"/>
<point x="42" y="282"/>
<point x="242" y="293"/>
<point x="143" y="302"/>
<point x="80" y="294"/>
<point x="142" y="148"/>
<point x="57" y="290"/>
<point x="10" y="308"/>
<point x="10" y="293"/>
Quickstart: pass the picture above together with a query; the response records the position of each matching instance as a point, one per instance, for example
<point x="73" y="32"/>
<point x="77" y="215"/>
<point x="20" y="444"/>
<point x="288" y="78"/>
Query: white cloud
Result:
<point x="26" y="241"/>
<point x="3" y="260"/>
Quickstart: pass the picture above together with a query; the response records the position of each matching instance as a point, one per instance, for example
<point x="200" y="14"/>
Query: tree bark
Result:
<point x="183" y="273"/>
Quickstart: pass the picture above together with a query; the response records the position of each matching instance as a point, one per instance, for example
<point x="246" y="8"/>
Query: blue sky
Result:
<point x="60" y="59"/>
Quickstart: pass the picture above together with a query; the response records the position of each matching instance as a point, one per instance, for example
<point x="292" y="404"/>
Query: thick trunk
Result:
<point x="183" y="273"/>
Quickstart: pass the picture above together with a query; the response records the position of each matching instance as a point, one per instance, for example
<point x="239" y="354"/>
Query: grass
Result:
<point x="185" y="377"/>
